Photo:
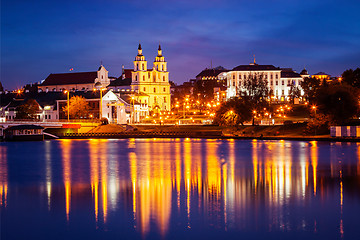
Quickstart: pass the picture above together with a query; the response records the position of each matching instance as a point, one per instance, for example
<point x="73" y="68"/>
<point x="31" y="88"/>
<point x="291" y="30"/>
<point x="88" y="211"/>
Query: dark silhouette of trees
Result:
<point x="339" y="102"/>
<point x="28" y="110"/>
<point x="352" y="77"/>
<point x="255" y="92"/>
<point x="234" y="112"/>
<point x="310" y="87"/>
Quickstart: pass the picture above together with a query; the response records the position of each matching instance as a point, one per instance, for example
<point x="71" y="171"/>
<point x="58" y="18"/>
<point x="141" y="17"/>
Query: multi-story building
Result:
<point x="151" y="85"/>
<point x="76" y="81"/>
<point x="279" y="80"/>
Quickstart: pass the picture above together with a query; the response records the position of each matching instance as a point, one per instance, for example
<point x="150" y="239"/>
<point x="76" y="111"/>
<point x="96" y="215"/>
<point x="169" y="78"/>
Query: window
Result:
<point x="282" y="82"/>
<point x="144" y="89"/>
<point x="164" y="89"/>
<point x="276" y="76"/>
<point x="154" y="90"/>
<point x="163" y="78"/>
<point x="233" y="83"/>
<point x="143" y="66"/>
<point x="154" y="99"/>
<point x="135" y="78"/>
<point x="233" y="76"/>
<point x="49" y="116"/>
<point x="143" y="78"/>
<point x="45" y="116"/>
<point x="239" y="76"/>
<point x="277" y="92"/>
<point x="102" y="77"/>
<point x="282" y="92"/>
<point x="164" y="99"/>
<point x="277" y="83"/>
<point x="149" y="75"/>
<point x="288" y="82"/>
<point x="271" y="76"/>
<point x="271" y="82"/>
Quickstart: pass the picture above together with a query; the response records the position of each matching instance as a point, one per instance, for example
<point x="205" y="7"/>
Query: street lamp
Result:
<point x="132" y="117"/>
<point x="100" y="107"/>
<point x="68" y="104"/>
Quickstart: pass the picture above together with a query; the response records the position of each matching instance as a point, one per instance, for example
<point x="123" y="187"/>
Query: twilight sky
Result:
<point x="42" y="37"/>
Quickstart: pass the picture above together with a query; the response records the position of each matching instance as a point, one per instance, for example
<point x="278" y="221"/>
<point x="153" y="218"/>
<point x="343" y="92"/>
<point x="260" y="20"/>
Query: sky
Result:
<point x="42" y="37"/>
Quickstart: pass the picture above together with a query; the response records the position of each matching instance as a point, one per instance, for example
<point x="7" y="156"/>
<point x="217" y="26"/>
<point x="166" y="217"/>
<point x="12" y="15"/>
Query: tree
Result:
<point x="79" y="108"/>
<point x="204" y="89"/>
<point x="28" y="110"/>
<point x="352" y="77"/>
<point x="233" y="112"/>
<point x="295" y="92"/>
<point x="1" y="87"/>
<point x="310" y="87"/>
<point x="339" y="102"/>
<point x="255" y="92"/>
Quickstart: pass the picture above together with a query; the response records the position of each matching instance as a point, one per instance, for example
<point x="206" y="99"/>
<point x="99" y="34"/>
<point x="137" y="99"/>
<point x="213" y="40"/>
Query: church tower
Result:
<point x="153" y="85"/>
<point x="140" y="67"/>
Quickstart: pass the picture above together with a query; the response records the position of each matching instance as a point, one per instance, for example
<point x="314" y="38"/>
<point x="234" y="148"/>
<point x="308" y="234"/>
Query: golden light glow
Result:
<point x="66" y="157"/>
<point x="3" y="176"/>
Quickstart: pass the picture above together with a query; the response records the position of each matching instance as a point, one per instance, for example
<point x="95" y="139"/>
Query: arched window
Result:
<point x="143" y="78"/>
<point x="144" y="89"/>
<point x="154" y="90"/>
<point x="163" y="78"/>
<point x="143" y="67"/>
<point x="135" y="77"/>
<point x="164" y="89"/>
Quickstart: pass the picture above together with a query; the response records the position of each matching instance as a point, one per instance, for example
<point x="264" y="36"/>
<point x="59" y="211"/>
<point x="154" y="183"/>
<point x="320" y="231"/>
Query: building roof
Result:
<point x="255" y="67"/>
<point x="210" y="72"/>
<point x="289" y="74"/>
<point x="21" y="127"/>
<point x="120" y="82"/>
<point x="322" y="73"/>
<point x="70" y="78"/>
<point x="304" y="72"/>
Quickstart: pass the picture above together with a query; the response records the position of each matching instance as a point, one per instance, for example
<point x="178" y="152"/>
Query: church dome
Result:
<point x="304" y="72"/>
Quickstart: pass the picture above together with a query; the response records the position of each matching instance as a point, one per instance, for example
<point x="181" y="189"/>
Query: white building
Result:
<point x="279" y="80"/>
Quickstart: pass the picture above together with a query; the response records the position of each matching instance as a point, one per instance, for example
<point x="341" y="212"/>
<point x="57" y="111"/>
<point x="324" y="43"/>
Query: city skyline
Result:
<point x="53" y="37"/>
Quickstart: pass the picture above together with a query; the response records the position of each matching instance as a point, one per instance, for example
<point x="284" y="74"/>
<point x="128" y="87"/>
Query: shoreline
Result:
<point x="203" y="136"/>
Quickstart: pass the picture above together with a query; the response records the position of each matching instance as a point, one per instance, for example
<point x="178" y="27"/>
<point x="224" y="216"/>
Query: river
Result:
<point x="179" y="189"/>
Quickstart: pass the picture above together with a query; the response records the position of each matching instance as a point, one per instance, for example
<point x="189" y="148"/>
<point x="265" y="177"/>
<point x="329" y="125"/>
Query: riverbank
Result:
<point x="296" y="132"/>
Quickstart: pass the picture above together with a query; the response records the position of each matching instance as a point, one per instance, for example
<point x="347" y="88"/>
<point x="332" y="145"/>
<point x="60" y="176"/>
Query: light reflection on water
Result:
<point x="164" y="187"/>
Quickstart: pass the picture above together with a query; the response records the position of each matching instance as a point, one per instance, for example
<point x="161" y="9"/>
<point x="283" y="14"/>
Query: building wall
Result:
<point x="279" y="86"/>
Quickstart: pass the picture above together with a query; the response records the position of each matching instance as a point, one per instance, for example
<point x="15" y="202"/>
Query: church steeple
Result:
<point x="140" y="63"/>
<point x="139" y="50"/>
<point x="159" y="51"/>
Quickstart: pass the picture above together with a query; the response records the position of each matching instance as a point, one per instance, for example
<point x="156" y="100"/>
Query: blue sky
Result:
<point x="43" y="37"/>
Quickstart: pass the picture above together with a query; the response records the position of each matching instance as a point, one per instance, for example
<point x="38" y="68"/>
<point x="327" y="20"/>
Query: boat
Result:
<point x="24" y="133"/>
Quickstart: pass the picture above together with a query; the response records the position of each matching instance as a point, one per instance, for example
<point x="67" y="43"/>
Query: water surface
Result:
<point x="179" y="189"/>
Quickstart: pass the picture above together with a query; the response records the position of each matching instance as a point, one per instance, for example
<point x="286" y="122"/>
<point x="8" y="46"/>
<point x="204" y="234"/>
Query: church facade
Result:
<point x="151" y="85"/>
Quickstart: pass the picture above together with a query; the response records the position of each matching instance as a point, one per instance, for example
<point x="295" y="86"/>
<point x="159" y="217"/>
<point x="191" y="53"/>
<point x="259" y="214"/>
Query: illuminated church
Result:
<point x="151" y="85"/>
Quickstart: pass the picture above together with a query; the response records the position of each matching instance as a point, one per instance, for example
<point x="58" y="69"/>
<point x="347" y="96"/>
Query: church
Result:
<point x="151" y="85"/>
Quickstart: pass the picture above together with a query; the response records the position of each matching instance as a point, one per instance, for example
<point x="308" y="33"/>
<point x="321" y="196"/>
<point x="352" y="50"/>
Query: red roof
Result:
<point x="70" y="78"/>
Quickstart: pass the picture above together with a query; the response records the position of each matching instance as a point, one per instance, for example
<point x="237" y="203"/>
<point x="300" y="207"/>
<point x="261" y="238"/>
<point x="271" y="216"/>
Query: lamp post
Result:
<point x="132" y="118"/>
<point x="100" y="105"/>
<point x="68" y="104"/>
<point x="314" y="108"/>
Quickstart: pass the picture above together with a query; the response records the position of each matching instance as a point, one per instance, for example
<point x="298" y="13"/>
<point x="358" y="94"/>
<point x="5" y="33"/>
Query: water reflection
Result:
<point x="3" y="176"/>
<point x="164" y="184"/>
